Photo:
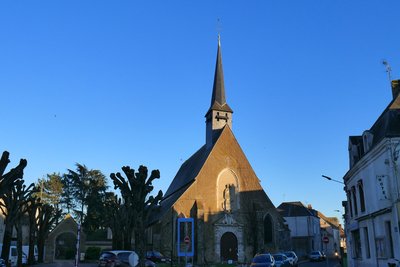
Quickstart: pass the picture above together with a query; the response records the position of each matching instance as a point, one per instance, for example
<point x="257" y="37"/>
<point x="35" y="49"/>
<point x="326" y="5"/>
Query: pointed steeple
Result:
<point x="219" y="114"/>
<point x="218" y="100"/>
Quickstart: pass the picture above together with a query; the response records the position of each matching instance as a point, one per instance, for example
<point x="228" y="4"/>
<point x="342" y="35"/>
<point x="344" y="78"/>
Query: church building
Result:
<point x="217" y="187"/>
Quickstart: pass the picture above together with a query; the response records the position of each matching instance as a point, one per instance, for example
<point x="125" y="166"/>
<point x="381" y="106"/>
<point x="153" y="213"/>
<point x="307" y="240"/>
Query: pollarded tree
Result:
<point x="115" y="218"/>
<point x="7" y="181"/>
<point x="32" y="209"/>
<point x="14" y="207"/>
<point x="135" y="190"/>
<point x="46" y="218"/>
<point x="11" y="194"/>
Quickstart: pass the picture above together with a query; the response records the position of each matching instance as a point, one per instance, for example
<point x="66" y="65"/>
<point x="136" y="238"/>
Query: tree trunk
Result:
<point x="19" y="242"/>
<point x="117" y="239"/>
<point x="140" y="243"/>
<point x="40" y="241"/>
<point x="8" y="231"/>
<point x="127" y="238"/>
<point x="32" y="231"/>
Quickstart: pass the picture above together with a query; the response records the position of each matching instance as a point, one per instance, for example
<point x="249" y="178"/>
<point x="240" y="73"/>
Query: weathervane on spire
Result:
<point x="219" y="29"/>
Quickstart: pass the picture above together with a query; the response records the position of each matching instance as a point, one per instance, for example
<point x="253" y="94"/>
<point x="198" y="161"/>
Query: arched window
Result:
<point x="268" y="229"/>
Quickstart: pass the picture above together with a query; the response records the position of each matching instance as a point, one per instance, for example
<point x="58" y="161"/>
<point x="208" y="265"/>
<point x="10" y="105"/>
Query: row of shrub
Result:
<point x="92" y="253"/>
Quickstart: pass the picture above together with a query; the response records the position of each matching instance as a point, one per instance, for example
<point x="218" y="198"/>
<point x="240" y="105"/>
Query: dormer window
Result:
<point x="367" y="140"/>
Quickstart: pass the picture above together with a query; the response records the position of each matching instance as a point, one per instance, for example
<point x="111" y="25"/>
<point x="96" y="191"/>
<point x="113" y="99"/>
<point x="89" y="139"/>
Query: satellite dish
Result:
<point x="133" y="259"/>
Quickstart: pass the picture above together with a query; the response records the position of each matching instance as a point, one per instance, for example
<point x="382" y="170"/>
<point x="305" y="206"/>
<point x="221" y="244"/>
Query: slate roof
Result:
<point x="188" y="171"/>
<point x="218" y="100"/>
<point x="295" y="209"/>
<point x="186" y="175"/>
<point x="387" y="125"/>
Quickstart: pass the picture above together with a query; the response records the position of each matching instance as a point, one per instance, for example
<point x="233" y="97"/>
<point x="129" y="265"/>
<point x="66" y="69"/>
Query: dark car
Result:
<point x="263" y="260"/>
<point x="156" y="256"/>
<point x="281" y="260"/>
<point x="316" y="256"/>
<point x="292" y="257"/>
<point x="119" y="258"/>
<point x="2" y="263"/>
<point x="109" y="259"/>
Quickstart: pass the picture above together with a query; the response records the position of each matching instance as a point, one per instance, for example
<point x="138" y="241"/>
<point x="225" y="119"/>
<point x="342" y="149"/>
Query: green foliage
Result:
<point x="69" y="254"/>
<point x="92" y="253"/>
<point x="88" y="187"/>
<point x="97" y="235"/>
<point x="67" y="196"/>
<point x="50" y="189"/>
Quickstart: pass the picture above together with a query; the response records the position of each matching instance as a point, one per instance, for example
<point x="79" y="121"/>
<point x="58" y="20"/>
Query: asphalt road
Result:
<point x="330" y="263"/>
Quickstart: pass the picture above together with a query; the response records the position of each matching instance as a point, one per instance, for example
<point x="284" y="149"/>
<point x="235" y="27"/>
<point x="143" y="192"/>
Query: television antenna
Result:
<point x="388" y="69"/>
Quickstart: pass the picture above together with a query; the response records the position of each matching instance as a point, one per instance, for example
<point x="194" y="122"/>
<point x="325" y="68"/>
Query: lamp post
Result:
<point x="78" y="238"/>
<point x="331" y="179"/>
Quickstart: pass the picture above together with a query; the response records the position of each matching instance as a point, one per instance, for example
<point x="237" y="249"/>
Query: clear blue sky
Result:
<point x="113" y="83"/>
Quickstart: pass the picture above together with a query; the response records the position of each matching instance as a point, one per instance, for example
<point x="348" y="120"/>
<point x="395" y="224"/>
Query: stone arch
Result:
<point x="229" y="247"/>
<point x="268" y="226"/>
<point x="65" y="246"/>
<point x="227" y="190"/>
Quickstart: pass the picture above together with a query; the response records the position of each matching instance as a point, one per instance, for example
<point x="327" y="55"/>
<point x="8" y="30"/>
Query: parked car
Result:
<point x="119" y="258"/>
<point x="263" y="260"/>
<point x="156" y="256"/>
<point x="281" y="260"/>
<point x="109" y="259"/>
<point x="316" y="256"/>
<point x="13" y="255"/>
<point x="2" y="263"/>
<point x="292" y="257"/>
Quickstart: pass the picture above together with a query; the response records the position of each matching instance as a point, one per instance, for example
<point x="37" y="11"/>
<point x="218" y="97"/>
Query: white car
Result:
<point x="293" y="259"/>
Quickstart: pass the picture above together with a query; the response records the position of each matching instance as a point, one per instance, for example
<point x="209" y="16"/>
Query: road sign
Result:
<point x="187" y="239"/>
<point x="185" y="230"/>
<point x="325" y="239"/>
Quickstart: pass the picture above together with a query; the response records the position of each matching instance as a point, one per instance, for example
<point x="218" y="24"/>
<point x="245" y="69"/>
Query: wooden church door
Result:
<point x="229" y="247"/>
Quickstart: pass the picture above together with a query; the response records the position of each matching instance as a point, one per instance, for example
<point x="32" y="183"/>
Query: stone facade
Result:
<point x="64" y="232"/>
<point x="233" y="216"/>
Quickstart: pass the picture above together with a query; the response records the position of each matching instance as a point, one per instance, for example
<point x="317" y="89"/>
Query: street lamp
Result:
<point x="78" y="238"/>
<point x="331" y="179"/>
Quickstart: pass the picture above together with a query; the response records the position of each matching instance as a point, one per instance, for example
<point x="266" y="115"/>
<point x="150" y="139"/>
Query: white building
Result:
<point x="330" y="228"/>
<point x="372" y="187"/>
<point x="304" y="225"/>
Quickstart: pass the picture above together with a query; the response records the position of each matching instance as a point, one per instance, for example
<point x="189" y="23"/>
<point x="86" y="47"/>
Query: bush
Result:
<point x="92" y="253"/>
<point x="70" y="253"/>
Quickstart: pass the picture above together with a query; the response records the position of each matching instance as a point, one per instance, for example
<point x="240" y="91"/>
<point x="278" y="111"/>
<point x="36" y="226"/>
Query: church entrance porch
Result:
<point x="229" y="247"/>
<point x="229" y="239"/>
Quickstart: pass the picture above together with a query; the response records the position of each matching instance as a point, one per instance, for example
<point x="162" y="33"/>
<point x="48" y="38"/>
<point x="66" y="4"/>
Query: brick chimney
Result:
<point x="395" y="88"/>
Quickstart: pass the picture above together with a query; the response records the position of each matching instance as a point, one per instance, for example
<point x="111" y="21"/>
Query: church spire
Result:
<point x="219" y="114"/>
<point x="218" y="100"/>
